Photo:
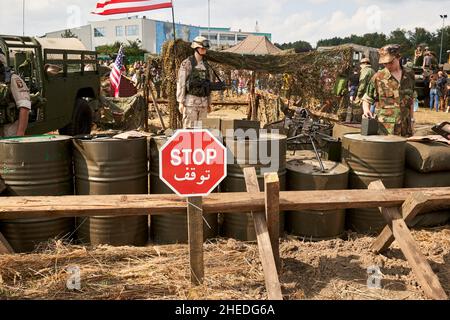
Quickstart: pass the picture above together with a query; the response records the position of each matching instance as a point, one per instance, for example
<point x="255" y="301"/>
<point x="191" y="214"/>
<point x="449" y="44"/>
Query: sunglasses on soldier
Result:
<point x="205" y="44"/>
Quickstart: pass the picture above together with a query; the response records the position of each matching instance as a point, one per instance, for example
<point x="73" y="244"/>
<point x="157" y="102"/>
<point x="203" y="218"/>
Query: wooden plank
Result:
<point x="129" y="205"/>
<point x="419" y="264"/>
<point x="410" y="209"/>
<point x="272" y="194"/>
<point x="214" y="103"/>
<point x="264" y="245"/>
<point x="195" y="236"/>
<point x="5" y="247"/>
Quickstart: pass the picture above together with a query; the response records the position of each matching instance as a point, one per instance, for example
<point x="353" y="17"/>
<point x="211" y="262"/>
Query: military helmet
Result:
<point x="200" y="42"/>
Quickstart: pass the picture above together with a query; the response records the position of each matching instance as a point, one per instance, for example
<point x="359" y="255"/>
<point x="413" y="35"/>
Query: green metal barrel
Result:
<point x="36" y="166"/>
<point x="316" y="225"/>
<point x="107" y="166"/>
<point x="266" y="154"/>
<point x="372" y="158"/>
<point x="172" y="228"/>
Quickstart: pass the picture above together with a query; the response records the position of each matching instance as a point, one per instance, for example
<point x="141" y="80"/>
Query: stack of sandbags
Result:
<point x="428" y="166"/>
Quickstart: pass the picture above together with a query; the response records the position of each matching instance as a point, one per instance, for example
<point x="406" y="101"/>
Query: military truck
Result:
<point x="63" y="78"/>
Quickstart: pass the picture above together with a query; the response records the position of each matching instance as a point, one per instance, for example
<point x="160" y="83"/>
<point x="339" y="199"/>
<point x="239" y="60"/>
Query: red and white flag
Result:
<point x="116" y="73"/>
<point x="107" y="7"/>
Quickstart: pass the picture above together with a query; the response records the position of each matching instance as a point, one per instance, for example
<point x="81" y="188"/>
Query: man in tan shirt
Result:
<point x="13" y="91"/>
<point x="193" y="91"/>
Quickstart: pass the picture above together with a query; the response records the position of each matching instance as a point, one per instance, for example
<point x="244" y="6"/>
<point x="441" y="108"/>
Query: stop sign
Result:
<point x="193" y="163"/>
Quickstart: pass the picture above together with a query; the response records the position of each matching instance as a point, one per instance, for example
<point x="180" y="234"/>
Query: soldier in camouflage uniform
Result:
<point x="193" y="90"/>
<point x="15" y="102"/>
<point x="366" y="75"/>
<point x="393" y="89"/>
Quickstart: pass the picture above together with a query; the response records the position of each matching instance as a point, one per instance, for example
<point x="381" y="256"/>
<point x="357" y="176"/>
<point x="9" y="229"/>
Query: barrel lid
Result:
<point x="384" y="139"/>
<point x="300" y="155"/>
<point x="262" y="137"/>
<point x="312" y="167"/>
<point x="35" y="139"/>
<point x="104" y="138"/>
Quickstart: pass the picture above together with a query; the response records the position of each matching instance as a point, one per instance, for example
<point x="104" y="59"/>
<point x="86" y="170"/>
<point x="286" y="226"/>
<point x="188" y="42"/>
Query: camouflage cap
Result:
<point x="389" y="53"/>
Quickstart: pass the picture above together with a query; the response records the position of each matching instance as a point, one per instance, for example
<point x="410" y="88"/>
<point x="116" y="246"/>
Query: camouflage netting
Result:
<point x="313" y="75"/>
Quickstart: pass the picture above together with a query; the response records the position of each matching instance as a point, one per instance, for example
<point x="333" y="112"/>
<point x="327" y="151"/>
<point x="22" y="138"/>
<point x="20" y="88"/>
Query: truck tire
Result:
<point x="81" y="120"/>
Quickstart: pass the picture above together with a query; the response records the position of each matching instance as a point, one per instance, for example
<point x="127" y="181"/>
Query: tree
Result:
<point x="68" y="34"/>
<point x="298" y="46"/>
<point x="132" y="49"/>
<point x="408" y="40"/>
<point x="400" y="37"/>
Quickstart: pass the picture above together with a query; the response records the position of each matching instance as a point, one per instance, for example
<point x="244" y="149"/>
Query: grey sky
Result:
<point x="287" y="20"/>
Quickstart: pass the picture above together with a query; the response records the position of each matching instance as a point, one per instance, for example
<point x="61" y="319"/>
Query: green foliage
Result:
<point x="409" y="40"/>
<point x="132" y="49"/>
<point x="298" y="46"/>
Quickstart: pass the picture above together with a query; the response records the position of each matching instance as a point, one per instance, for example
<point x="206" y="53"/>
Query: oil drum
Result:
<point x="107" y="166"/>
<point x="172" y="228"/>
<point x="372" y="158"/>
<point x="36" y="166"/>
<point x="266" y="154"/>
<point x="341" y="129"/>
<point x="316" y="225"/>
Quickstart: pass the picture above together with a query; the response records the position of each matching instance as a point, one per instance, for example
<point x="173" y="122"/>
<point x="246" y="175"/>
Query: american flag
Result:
<point x="116" y="73"/>
<point x="107" y="7"/>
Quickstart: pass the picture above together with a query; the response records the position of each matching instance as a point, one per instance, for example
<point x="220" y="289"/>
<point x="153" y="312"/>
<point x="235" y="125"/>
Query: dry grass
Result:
<point x="333" y="270"/>
<point x="426" y="116"/>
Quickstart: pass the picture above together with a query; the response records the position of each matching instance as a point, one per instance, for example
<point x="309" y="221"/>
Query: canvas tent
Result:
<point x="254" y="45"/>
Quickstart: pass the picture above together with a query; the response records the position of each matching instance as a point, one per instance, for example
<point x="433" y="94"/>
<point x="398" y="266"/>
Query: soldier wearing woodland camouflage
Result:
<point x="393" y="90"/>
<point x="193" y="85"/>
<point x="15" y="103"/>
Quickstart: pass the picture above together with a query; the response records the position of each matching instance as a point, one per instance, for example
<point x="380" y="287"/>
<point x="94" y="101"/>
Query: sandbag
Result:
<point x="432" y="216"/>
<point x="415" y="179"/>
<point x="430" y="219"/>
<point x="428" y="157"/>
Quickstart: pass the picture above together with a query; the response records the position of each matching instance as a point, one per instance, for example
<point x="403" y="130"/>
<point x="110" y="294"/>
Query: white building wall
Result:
<point x="149" y="35"/>
<point x="110" y="34"/>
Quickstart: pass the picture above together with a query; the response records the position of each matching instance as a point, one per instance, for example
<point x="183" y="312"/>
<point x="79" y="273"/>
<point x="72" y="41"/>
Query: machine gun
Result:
<point x="303" y="129"/>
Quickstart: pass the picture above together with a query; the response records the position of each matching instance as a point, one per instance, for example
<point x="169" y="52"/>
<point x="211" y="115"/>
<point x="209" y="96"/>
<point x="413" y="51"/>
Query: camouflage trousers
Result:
<point x="9" y="130"/>
<point x="192" y="115"/>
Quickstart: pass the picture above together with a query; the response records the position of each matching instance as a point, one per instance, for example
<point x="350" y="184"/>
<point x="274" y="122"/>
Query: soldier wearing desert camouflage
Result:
<point x="193" y="85"/>
<point x="393" y="90"/>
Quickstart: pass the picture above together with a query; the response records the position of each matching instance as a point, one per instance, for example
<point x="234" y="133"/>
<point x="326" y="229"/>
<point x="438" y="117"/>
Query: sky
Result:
<point x="287" y="20"/>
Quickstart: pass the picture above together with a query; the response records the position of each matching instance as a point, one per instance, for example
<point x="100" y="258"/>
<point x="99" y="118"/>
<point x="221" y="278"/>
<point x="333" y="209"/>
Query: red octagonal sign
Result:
<point x="193" y="163"/>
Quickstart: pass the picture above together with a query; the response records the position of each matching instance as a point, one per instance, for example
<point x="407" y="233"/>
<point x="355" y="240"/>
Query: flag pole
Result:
<point x="174" y="50"/>
<point x="173" y="22"/>
<point x="23" y="18"/>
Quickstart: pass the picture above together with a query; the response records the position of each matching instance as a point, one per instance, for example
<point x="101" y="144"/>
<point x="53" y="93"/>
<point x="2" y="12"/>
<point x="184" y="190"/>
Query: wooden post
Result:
<point x="195" y="235"/>
<point x="419" y="264"/>
<point x="272" y="200"/>
<point x="158" y="111"/>
<point x="410" y="209"/>
<point x="2" y="185"/>
<point x="254" y="113"/>
<point x="264" y="245"/>
<point x="5" y="247"/>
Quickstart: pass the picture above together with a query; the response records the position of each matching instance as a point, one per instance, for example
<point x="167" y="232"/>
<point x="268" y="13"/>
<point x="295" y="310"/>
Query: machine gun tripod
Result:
<point x="303" y="129"/>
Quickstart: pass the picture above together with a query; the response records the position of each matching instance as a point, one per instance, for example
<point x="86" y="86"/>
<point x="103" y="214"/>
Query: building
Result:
<point x="223" y="38"/>
<point x="150" y="33"/>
